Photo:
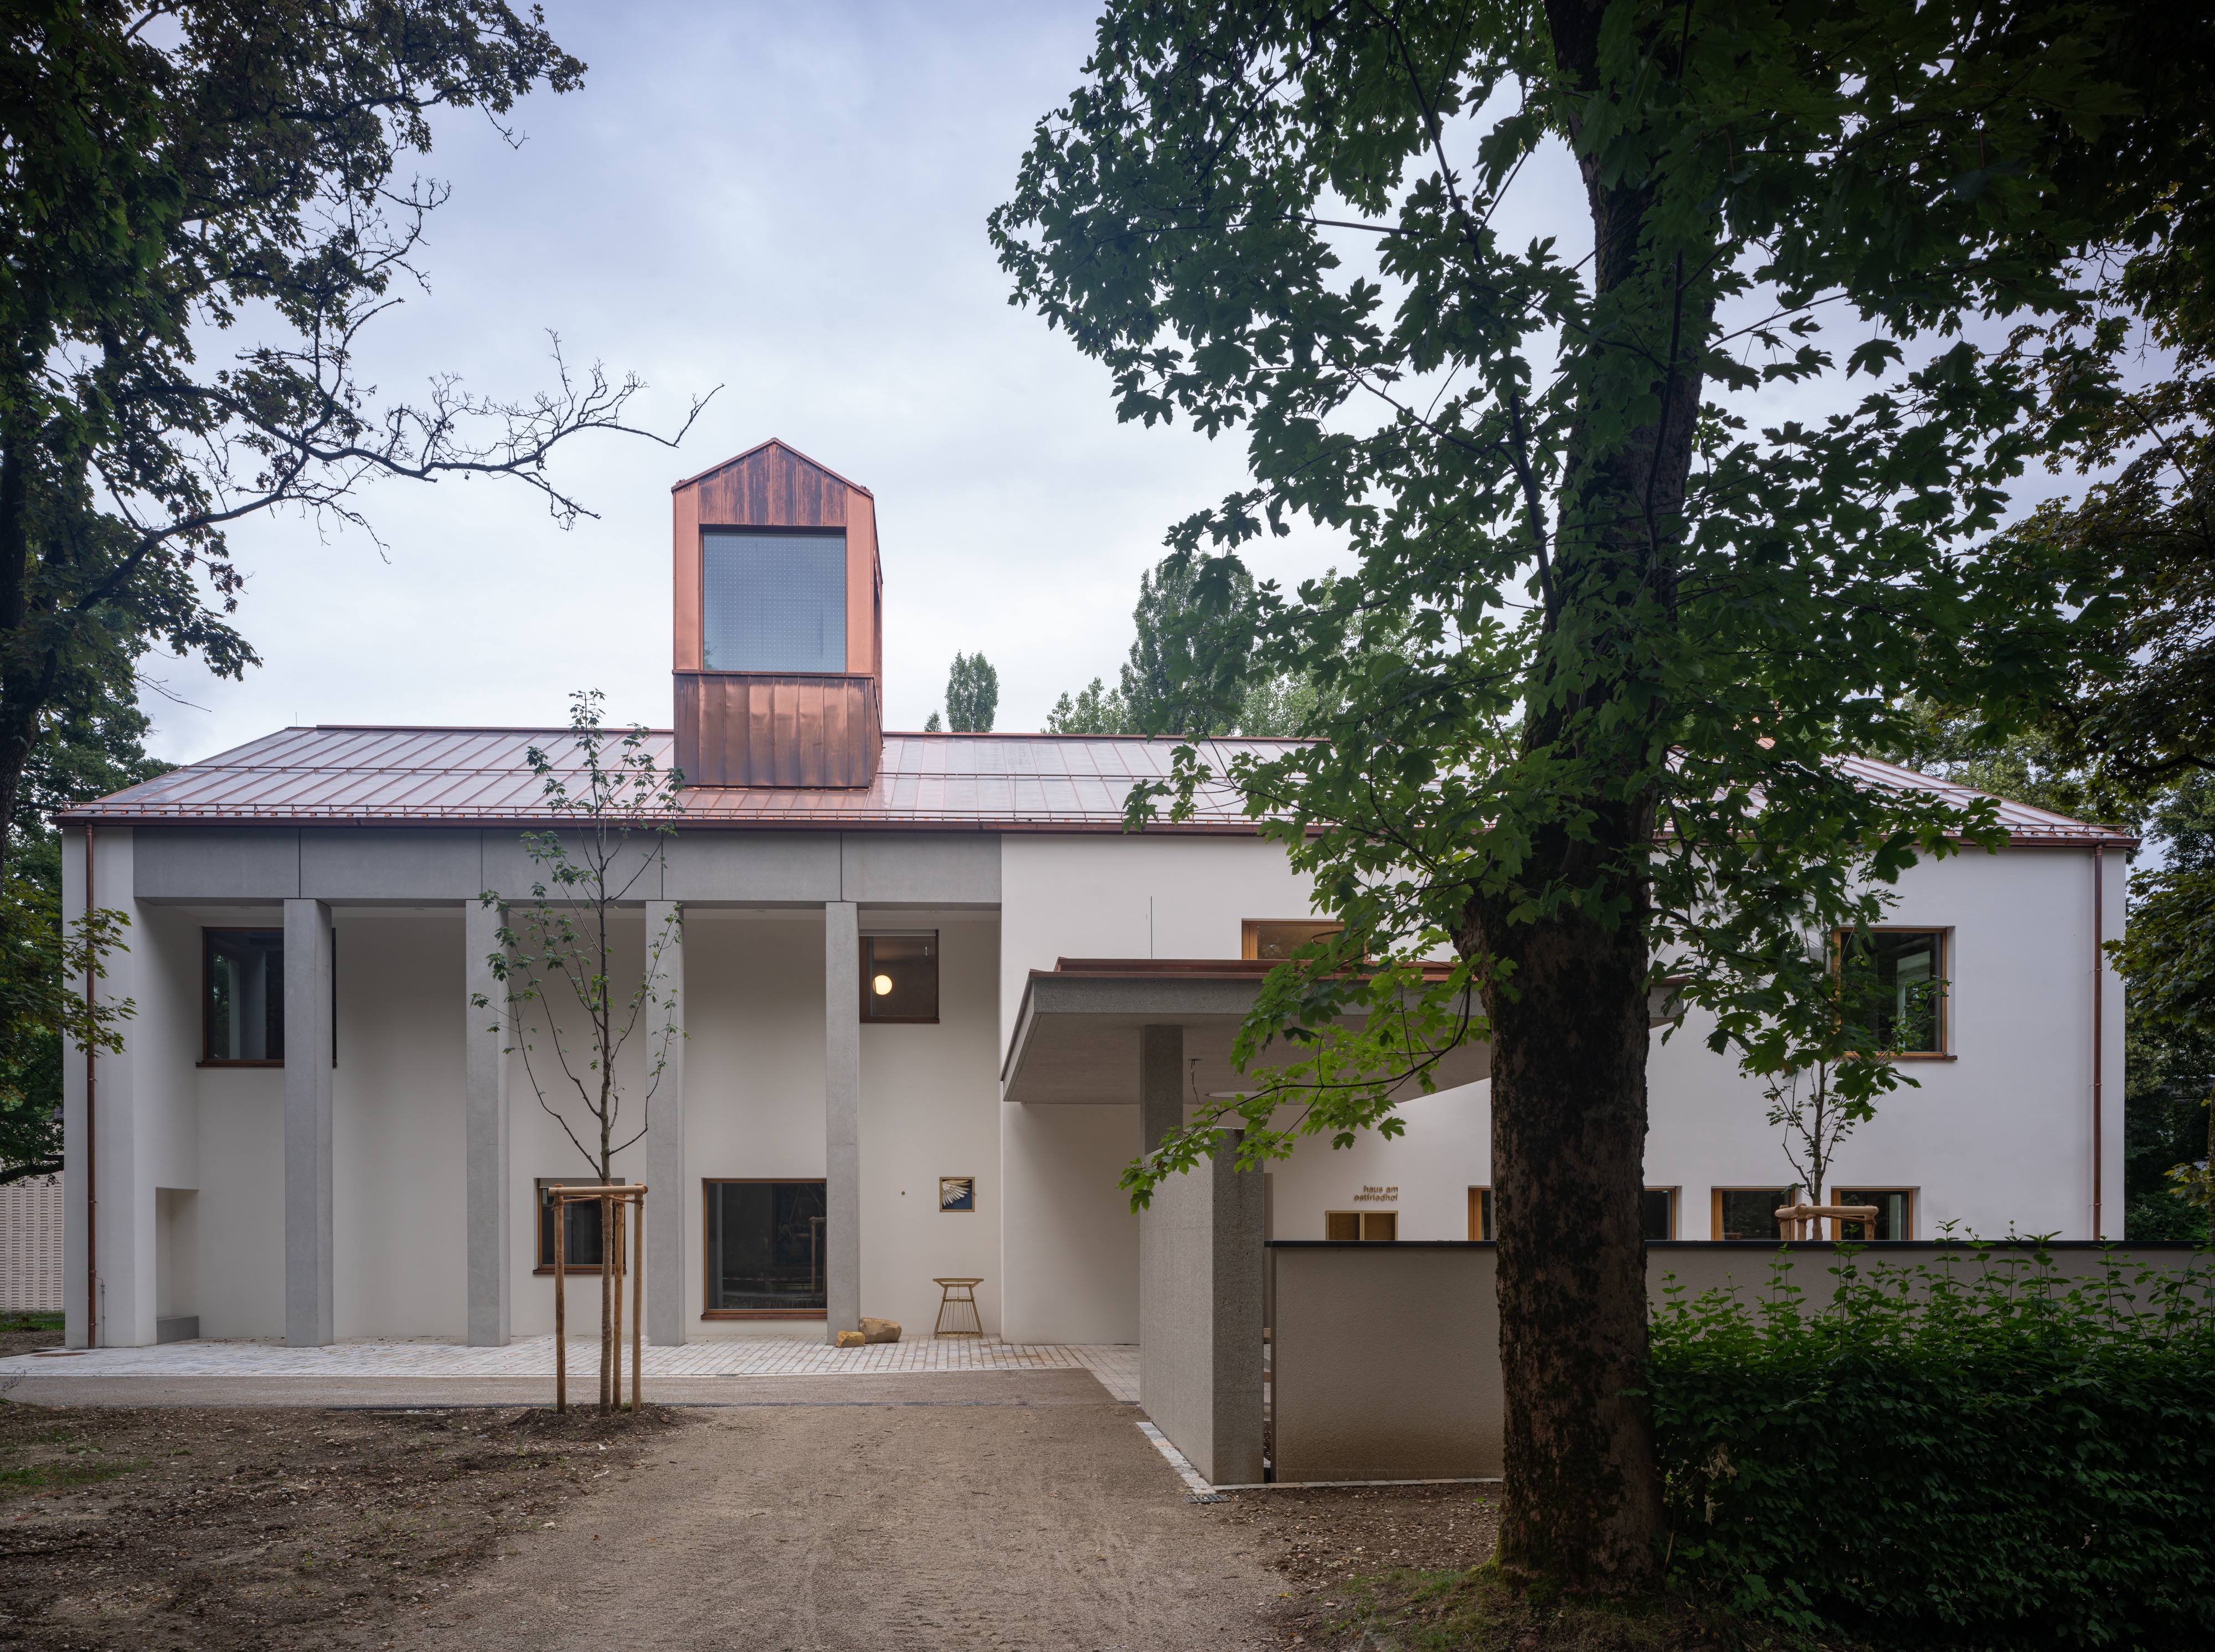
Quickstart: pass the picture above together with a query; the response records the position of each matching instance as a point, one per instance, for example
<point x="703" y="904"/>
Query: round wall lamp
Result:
<point x="882" y="984"/>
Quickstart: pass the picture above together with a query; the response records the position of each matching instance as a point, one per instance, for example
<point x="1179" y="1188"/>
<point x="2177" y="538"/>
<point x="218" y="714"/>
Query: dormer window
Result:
<point x="773" y="601"/>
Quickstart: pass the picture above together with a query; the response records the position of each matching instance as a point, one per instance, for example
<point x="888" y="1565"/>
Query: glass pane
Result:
<point x="773" y="601"/>
<point x="1751" y="1213"/>
<point x="766" y="1241"/>
<point x="1653" y="1213"/>
<point x="1902" y="980"/>
<point x="245" y="1008"/>
<point x="584" y="1224"/>
<point x="1891" y="1215"/>
<point x="1341" y="1225"/>
<point x="899" y="977"/>
<point x="1281" y="940"/>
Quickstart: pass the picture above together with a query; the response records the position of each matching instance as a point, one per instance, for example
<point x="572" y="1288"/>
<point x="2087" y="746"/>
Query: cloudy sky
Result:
<point x="788" y="202"/>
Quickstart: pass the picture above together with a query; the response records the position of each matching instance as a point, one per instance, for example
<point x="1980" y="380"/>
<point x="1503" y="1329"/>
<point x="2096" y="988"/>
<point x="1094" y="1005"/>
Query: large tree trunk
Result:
<point x="1568" y="1147"/>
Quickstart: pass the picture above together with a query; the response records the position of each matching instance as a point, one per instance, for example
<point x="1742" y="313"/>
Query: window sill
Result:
<point x="574" y="1270"/>
<point x="1921" y="1055"/>
<point x="900" y="1020"/>
<point x="279" y="1061"/>
<point x="765" y="1314"/>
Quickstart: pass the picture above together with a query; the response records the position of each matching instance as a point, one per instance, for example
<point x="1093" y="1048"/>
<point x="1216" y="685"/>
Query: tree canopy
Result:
<point x="1672" y="502"/>
<point x="973" y="694"/>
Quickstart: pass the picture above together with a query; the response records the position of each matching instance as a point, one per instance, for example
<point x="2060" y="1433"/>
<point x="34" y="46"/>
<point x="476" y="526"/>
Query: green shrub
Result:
<point x="1977" y="1451"/>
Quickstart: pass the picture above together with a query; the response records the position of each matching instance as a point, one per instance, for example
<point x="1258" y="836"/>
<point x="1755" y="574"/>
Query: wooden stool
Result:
<point x="958" y="1298"/>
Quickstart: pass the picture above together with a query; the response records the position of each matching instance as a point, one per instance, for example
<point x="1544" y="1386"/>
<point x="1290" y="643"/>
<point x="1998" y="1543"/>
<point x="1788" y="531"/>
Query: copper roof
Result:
<point x="420" y="776"/>
<point x="363" y="776"/>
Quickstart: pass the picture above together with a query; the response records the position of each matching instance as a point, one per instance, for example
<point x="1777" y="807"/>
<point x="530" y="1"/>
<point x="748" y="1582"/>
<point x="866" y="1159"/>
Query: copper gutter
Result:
<point x="91" y="1135"/>
<point x="2099" y="982"/>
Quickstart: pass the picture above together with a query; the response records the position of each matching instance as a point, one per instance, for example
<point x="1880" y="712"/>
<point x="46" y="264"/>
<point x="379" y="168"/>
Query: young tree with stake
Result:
<point x="568" y="1004"/>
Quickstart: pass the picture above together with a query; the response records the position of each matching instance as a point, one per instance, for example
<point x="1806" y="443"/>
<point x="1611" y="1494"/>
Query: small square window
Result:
<point x="1895" y="1213"/>
<point x="773" y="601"/>
<point x="1899" y="976"/>
<point x="900" y="976"/>
<point x="1373" y="1227"/>
<point x="1270" y="940"/>
<point x="243" y="974"/>
<point x="1749" y="1213"/>
<point x="581" y="1218"/>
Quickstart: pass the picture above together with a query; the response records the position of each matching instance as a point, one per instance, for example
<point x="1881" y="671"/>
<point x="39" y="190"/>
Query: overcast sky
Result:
<point x="788" y="202"/>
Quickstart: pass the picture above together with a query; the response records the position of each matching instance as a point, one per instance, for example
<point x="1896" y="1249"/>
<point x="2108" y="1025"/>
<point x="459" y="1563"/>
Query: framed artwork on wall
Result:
<point x="957" y="1193"/>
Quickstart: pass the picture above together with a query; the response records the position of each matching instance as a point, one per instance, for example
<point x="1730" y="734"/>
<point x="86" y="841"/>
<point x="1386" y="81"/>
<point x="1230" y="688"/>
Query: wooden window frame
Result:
<point x="1914" y="1200"/>
<point x="1715" y="1205"/>
<point x="1676" y="1211"/>
<point x="1362" y="1218"/>
<point x="571" y="1269"/>
<point x="1249" y="932"/>
<point x="708" y="1255"/>
<point x="938" y="984"/>
<point x="1945" y="1052"/>
<point x="1478" y="1198"/>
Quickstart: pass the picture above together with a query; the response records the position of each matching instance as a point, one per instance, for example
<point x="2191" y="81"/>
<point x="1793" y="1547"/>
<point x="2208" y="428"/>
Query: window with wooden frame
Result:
<point x="1899" y="977"/>
<point x="1270" y="938"/>
<point x="581" y="1218"/>
<point x="242" y="997"/>
<point x="899" y="975"/>
<point x="1749" y="1213"/>
<point x="1483" y="1210"/>
<point x="1895" y="1213"/>
<point x="765" y="1249"/>
<point x="1374" y="1226"/>
<point x="1657" y="1213"/>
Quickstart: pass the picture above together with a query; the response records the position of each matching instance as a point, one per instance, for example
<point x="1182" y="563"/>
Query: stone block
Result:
<point x="852" y="1339"/>
<point x="880" y="1330"/>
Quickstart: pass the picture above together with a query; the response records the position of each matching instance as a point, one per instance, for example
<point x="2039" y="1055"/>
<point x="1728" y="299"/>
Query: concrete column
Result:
<point x="1161" y="1084"/>
<point x="841" y="1117"/>
<point x="309" y="1318"/>
<point x="486" y="1026"/>
<point x="668" y="1188"/>
<point x="1237" y="1434"/>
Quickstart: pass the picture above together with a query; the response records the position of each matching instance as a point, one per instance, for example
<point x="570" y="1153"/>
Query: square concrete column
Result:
<point x="841" y="1117"/>
<point x="485" y="1029"/>
<point x="664" y="1172"/>
<point x="1161" y="1084"/>
<point x="309" y="1318"/>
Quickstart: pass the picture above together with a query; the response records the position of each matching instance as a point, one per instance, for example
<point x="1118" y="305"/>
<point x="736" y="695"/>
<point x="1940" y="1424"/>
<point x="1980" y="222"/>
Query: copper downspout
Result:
<point x="91" y="1135"/>
<point x="2099" y="982"/>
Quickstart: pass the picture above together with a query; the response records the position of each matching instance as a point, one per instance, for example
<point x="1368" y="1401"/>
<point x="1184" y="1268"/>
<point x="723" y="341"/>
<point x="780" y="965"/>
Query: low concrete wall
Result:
<point x="1387" y="1356"/>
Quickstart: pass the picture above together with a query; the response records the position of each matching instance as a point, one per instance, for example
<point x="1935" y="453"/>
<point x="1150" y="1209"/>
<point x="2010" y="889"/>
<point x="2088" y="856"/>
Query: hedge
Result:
<point x="1987" y="1454"/>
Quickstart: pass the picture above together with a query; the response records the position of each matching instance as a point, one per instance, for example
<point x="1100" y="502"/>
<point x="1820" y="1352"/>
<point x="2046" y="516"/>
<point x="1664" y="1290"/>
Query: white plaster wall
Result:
<point x="931" y="1108"/>
<point x="1144" y="895"/>
<point x="397" y="1214"/>
<point x="1447" y="1150"/>
<point x="1998" y="1139"/>
<point x="1068" y="1241"/>
<point x="241" y="1221"/>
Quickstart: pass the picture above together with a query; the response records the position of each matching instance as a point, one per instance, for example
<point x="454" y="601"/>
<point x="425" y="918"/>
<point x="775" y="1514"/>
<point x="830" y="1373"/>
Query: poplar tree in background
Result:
<point x="972" y="694"/>
<point x="1641" y="615"/>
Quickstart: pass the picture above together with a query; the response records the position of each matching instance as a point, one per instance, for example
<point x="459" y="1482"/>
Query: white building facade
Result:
<point x="313" y="1132"/>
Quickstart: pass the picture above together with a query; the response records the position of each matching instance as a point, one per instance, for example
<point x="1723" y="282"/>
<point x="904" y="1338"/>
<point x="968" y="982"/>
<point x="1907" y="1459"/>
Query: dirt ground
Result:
<point x="979" y="1510"/>
<point x="24" y="1333"/>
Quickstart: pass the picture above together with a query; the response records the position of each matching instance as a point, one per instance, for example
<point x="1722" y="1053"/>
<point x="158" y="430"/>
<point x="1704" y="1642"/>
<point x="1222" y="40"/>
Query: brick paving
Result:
<point x="1115" y="1366"/>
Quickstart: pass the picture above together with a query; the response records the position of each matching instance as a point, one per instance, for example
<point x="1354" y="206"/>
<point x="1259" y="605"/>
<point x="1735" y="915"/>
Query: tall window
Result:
<point x="1749" y="1213"/>
<point x="772" y="601"/>
<point x="1895" y="1212"/>
<point x="243" y="973"/>
<point x="765" y="1248"/>
<point x="1903" y="974"/>
<point x="900" y="976"/>
<point x="1266" y="939"/>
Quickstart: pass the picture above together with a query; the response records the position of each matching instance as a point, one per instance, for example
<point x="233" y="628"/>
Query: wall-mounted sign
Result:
<point x="1376" y="1195"/>
<point x="957" y="1193"/>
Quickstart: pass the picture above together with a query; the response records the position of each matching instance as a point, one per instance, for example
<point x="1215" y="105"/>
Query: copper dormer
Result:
<point x="780" y="624"/>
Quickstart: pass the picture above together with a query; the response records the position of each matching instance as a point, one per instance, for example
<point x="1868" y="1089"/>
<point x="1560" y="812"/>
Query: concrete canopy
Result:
<point x="1076" y="1038"/>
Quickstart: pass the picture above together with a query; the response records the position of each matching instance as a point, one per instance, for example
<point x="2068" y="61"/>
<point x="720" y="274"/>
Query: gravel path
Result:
<point x="968" y="1510"/>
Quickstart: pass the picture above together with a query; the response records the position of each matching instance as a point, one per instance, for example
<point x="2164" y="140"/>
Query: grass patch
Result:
<point x="43" y="1477"/>
<point x="1478" y="1611"/>
<point x="30" y="1322"/>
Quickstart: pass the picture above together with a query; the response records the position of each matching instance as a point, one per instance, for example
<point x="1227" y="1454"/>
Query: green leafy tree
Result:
<point x="933" y="723"/>
<point x="222" y="172"/>
<point x="569" y="1003"/>
<point x="972" y="694"/>
<point x="1187" y="671"/>
<point x="1641" y="615"/>
<point x="1098" y="710"/>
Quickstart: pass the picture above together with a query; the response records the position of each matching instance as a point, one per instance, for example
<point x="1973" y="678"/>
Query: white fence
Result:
<point x="31" y="1246"/>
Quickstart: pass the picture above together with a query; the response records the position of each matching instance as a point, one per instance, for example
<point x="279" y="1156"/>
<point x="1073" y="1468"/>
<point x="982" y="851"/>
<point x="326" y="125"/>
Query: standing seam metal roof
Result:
<point x="343" y="775"/>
